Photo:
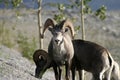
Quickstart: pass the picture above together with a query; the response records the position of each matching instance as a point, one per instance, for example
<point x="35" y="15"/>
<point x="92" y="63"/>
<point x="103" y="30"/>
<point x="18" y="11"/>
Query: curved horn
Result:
<point x="48" y="22"/>
<point x="68" y="23"/>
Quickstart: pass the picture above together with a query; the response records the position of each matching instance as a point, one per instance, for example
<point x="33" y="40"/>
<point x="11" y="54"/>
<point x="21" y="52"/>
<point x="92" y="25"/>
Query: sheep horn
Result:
<point x="68" y="23"/>
<point x="48" y="22"/>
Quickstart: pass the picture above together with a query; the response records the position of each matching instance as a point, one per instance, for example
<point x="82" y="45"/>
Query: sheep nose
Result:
<point x="57" y="41"/>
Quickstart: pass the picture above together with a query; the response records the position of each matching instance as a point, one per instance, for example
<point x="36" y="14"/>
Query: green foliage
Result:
<point x="6" y="2"/>
<point x="27" y="47"/>
<point x="60" y="16"/>
<point x="16" y="3"/>
<point x="101" y="12"/>
<point x="77" y="28"/>
<point x="87" y="1"/>
<point x="61" y="7"/>
<point x="87" y="9"/>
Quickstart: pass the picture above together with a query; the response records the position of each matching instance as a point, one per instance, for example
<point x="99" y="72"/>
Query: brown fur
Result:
<point x="60" y="48"/>
<point x="92" y="58"/>
<point x="41" y="59"/>
<point x="87" y="56"/>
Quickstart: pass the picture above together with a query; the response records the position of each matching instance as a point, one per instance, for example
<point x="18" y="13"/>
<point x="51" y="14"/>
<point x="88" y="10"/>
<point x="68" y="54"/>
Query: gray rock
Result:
<point x="15" y="67"/>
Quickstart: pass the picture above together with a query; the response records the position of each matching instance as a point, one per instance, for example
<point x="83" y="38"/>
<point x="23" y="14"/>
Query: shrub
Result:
<point x="26" y="46"/>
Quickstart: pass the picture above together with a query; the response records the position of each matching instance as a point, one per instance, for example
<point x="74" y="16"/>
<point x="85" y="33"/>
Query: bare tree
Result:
<point x="40" y="23"/>
<point x="83" y="31"/>
<point x="82" y="19"/>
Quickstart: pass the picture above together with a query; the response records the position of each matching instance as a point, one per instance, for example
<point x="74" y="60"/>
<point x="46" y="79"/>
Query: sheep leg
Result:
<point x="97" y="76"/>
<point x="115" y="74"/>
<point x="73" y="72"/>
<point x="60" y="71"/>
<point x="56" y="72"/>
<point x="81" y="74"/>
<point x="108" y="74"/>
<point x="67" y="67"/>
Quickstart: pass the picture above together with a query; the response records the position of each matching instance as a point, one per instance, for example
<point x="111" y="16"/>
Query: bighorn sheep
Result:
<point x="115" y="71"/>
<point x="41" y="59"/>
<point x="92" y="58"/>
<point x="60" y="48"/>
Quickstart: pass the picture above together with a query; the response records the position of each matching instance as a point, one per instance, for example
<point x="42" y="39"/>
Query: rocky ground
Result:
<point x="15" y="67"/>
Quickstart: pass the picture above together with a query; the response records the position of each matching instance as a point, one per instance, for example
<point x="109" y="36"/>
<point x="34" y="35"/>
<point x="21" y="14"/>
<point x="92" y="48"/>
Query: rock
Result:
<point x="15" y="67"/>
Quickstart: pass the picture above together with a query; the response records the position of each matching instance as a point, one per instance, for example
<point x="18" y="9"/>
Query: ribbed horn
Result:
<point x="49" y="22"/>
<point x="68" y="23"/>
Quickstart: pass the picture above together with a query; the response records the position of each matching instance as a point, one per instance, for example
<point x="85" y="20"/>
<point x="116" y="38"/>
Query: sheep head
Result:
<point x="61" y="27"/>
<point x="41" y="60"/>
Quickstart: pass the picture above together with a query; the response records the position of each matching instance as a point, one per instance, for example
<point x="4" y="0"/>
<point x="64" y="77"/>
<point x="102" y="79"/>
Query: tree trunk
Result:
<point x="83" y="31"/>
<point x="40" y="23"/>
<point x="82" y="19"/>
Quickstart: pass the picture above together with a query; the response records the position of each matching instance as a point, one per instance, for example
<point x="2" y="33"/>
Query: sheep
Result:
<point x="115" y="71"/>
<point x="41" y="58"/>
<point x="60" y="48"/>
<point x="93" y="58"/>
<point x="96" y="52"/>
<point x="115" y="75"/>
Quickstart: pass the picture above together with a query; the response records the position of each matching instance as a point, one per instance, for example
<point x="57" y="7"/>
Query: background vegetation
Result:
<point x="17" y="32"/>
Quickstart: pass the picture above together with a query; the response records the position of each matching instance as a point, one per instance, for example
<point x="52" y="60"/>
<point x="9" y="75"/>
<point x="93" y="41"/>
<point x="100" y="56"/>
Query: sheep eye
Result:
<point x="55" y="33"/>
<point x="66" y="29"/>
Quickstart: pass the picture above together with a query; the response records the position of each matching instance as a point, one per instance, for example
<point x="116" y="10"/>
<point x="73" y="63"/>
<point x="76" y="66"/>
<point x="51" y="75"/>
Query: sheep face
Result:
<point x="57" y="35"/>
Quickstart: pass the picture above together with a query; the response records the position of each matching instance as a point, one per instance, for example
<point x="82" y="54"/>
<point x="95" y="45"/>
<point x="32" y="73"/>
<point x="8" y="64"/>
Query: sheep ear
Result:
<point x="51" y="30"/>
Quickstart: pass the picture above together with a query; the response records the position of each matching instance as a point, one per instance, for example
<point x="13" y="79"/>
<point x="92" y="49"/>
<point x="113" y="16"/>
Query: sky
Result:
<point x="95" y="4"/>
